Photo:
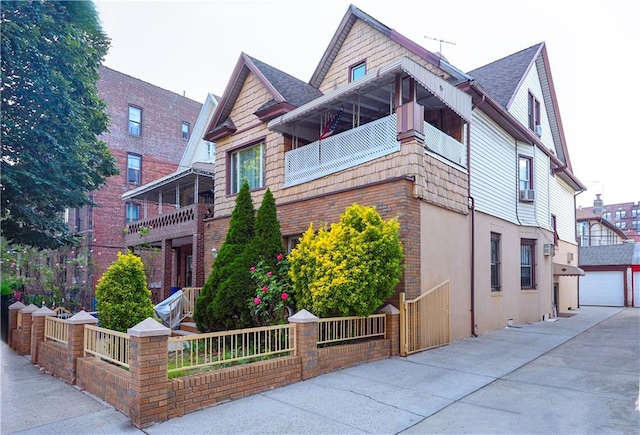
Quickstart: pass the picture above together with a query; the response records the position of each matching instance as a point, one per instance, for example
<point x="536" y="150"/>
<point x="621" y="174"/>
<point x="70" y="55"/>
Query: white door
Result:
<point x="636" y="289"/>
<point x="602" y="288"/>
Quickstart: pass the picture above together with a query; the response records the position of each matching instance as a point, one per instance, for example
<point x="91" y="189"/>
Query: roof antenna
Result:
<point x="440" y="41"/>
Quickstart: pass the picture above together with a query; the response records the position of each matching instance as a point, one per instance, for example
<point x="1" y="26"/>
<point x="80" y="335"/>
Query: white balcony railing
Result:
<point x="345" y="150"/>
<point x="444" y="145"/>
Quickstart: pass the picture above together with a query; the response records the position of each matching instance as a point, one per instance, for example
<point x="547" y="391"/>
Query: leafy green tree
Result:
<point x="350" y="268"/>
<point x="123" y="297"/>
<point x="222" y="301"/>
<point x="51" y="117"/>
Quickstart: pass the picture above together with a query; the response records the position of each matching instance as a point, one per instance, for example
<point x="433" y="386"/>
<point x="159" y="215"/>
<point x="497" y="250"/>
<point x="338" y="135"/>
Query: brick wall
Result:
<point x="340" y="357"/>
<point x="108" y="382"/>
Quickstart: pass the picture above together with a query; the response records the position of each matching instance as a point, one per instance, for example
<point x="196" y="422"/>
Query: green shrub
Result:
<point x="350" y="268"/>
<point x="267" y="242"/>
<point x="122" y="294"/>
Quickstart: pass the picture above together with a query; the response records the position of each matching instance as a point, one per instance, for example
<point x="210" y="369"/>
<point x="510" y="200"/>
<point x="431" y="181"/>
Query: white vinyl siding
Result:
<point x="562" y="206"/>
<point x="494" y="169"/>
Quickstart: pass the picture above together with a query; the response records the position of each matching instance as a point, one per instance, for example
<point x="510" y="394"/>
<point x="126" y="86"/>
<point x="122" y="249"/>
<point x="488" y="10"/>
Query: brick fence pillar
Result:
<point x="13" y="320"/>
<point x="37" y="330"/>
<point x="148" y="358"/>
<point x="23" y="342"/>
<point x="75" y="344"/>
<point x="392" y="331"/>
<point x="307" y="342"/>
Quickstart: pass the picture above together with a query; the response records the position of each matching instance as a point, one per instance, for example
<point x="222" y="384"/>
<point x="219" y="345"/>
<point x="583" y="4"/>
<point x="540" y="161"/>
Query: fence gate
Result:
<point x="424" y="321"/>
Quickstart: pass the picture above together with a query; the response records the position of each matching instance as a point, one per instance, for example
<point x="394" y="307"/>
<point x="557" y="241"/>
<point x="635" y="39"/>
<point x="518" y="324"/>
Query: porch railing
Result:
<point x="338" y="329"/>
<point x="187" y="303"/>
<point x="217" y="348"/>
<point x="444" y="145"/>
<point x="345" y="150"/>
<point x="107" y="344"/>
<point x="56" y="329"/>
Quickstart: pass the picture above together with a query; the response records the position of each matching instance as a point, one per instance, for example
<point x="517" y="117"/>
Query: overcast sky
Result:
<point x="191" y="47"/>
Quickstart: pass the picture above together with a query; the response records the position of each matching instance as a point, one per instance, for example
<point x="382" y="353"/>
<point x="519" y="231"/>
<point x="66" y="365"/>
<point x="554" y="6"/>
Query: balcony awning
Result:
<point x="566" y="270"/>
<point x="437" y="89"/>
<point x="182" y="177"/>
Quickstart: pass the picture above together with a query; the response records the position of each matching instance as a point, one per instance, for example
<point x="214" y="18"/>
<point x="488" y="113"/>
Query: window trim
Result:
<point x="129" y="121"/>
<point x="128" y="206"/>
<point x="185" y="124"/>
<point x="554" y="227"/>
<point x="532" y="244"/>
<point x="529" y="160"/>
<point x="354" y="67"/>
<point x="533" y="111"/>
<point x="495" y="284"/>
<point x="139" y="157"/>
<point x="231" y="179"/>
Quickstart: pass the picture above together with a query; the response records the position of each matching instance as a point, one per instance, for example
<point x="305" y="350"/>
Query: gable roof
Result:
<point x="501" y="78"/>
<point x="604" y="222"/>
<point x="608" y="255"/>
<point x="286" y="91"/>
<point x="189" y="157"/>
<point x="354" y="14"/>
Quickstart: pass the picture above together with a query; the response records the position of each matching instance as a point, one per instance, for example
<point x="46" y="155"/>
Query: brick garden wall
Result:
<point x="106" y="381"/>
<point x="339" y="357"/>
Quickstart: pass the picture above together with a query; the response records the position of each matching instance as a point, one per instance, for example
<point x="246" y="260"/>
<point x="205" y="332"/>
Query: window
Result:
<point x="526" y="173"/>
<point x="622" y="225"/>
<point x="292" y="242"/>
<point x="133" y="212"/>
<point x="606" y="215"/>
<point x="185" y="130"/>
<point x="247" y="164"/>
<point x="357" y="71"/>
<point x="134" y="162"/>
<point x="211" y="150"/>
<point x="528" y="264"/>
<point x="534" y="112"/>
<point x="495" y="262"/>
<point x="621" y="214"/>
<point x="635" y="225"/>
<point x="135" y="121"/>
<point x="554" y="227"/>
<point x="635" y="212"/>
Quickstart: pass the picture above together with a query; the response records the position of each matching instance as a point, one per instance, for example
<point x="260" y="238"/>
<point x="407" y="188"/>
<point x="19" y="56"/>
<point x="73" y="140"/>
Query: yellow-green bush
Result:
<point x="123" y="297"/>
<point x="349" y="268"/>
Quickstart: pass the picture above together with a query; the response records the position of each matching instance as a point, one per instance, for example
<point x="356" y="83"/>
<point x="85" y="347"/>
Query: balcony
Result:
<point x="444" y="145"/>
<point x="343" y="151"/>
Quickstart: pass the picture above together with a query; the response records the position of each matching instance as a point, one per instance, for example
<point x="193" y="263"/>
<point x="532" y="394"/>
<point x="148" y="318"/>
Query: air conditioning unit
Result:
<point x="569" y="257"/>
<point x="539" y="130"/>
<point x="549" y="249"/>
<point x="527" y="195"/>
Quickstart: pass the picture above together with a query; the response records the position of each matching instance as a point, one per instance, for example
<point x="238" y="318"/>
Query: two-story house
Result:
<point x="384" y="122"/>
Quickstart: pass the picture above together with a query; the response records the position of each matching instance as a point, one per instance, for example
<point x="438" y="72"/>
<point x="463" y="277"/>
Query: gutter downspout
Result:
<point x="472" y="206"/>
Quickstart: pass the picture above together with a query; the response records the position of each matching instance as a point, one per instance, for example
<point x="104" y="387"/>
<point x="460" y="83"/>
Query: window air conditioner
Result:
<point x="538" y="130"/>
<point x="527" y="195"/>
<point x="549" y="249"/>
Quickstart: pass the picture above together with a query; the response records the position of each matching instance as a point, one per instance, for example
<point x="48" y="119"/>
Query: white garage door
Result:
<point x="636" y="289"/>
<point x="602" y="288"/>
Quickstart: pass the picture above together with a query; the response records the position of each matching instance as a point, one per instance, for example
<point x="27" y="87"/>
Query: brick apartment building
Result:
<point x="624" y="216"/>
<point x="149" y="128"/>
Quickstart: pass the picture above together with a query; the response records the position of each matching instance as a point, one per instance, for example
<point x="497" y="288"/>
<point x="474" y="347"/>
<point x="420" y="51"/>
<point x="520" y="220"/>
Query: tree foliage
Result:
<point x="51" y="117"/>
<point x="222" y="301"/>
<point x="267" y="242"/>
<point x="350" y="268"/>
<point x="123" y="297"/>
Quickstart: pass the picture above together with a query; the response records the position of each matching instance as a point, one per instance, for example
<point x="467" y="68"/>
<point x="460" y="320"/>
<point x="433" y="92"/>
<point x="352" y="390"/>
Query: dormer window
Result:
<point x="358" y="70"/>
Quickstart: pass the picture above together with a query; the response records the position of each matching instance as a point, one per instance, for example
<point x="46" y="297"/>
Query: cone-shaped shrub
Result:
<point x="222" y="301"/>
<point x="349" y="269"/>
<point x="268" y="236"/>
<point x="122" y="294"/>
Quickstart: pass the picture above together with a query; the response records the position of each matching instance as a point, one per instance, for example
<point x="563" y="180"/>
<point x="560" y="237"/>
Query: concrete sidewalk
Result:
<point x="574" y="375"/>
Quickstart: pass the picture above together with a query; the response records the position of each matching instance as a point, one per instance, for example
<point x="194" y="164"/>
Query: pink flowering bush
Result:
<point x="273" y="301"/>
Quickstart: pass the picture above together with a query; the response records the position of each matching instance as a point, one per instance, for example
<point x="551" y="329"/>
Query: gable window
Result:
<point x="526" y="172"/>
<point x="527" y="264"/>
<point x="495" y="262"/>
<point x="185" y="130"/>
<point x="358" y="70"/>
<point x="247" y="164"/>
<point x="135" y="121"/>
<point x="134" y="163"/>
<point x="132" y="212"/>
<point x="534" y="112"/>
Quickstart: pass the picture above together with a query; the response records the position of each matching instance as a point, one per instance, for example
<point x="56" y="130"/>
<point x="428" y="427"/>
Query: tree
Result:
<point x="123" y="297"/>
<point x="350" y="268"/>
<point x="51" y="117"/>
<point x="267" y="242"/>
<point x="222" y="301"/>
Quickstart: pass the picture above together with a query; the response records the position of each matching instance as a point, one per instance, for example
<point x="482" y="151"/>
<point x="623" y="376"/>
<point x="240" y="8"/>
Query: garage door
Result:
<point x="636" y="289"/>
<point x="602" y="288"/>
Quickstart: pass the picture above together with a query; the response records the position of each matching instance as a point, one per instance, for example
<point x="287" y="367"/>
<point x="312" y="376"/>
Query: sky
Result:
<point x="191" y="48"/>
